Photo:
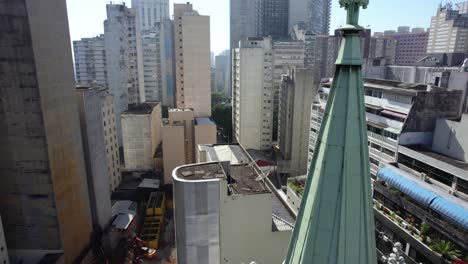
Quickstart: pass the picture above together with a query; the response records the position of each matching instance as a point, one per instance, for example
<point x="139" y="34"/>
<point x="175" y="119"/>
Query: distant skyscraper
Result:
<point x="150" y="12"/>
<point x="43" y="191"/>
<point x="253" y="93"/>
<point x="314" y="13"/>
<point x="273" y="18"/>
<point x="124" y="59"/>
<point x="222" y="70"/>
<point x="158" y="73"/>
<point x="448" y="41"/>
<point x="192" y="55"/>
<point x="243" y="20"/>
<point x="90" y="61"/>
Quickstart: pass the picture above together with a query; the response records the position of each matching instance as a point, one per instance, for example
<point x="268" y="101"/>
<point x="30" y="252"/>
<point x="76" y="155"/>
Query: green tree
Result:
<point x="222" y="115"/>
<point x="446" y="249"/>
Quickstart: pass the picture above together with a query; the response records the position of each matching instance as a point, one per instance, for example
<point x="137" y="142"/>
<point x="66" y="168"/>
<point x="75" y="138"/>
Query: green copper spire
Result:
<point x="335" y="223"/>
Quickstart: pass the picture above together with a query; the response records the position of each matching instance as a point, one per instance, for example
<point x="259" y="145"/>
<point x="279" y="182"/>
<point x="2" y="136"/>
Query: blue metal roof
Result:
<point x="454" y="212"/>
<point x="407" y="187"/>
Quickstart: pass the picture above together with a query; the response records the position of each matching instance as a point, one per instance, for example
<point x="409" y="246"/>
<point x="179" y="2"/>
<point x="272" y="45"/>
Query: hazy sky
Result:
<point x="86" y="16"/>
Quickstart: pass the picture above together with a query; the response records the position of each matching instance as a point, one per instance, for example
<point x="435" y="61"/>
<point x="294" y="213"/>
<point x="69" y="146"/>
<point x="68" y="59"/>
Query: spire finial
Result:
<point x="352" y="6"/>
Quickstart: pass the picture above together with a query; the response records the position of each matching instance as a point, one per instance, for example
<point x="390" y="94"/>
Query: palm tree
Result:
<point x="446" y="249"/>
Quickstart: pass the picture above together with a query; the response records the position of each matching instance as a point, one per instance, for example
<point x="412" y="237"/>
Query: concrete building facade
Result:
<point x="253" y="93"/>
<point x="448" y="36"/>
<point x="43" y="192"/>
<point x="273" y="18"/>
<point x="235" y="218"/>
<point x="90" y="61"/>
<point x="383" y="47"/>
<point x="141" y="132"/>
<point x="411" y="47"/>
<point x="222" y="73"/>
<point x="286" y="55"/>
<point x="192" y="56"/>
<point x="243" y="20"/>
<point x="94" y="148"/>
<point x="181" y="134"/>
<point x="297" y="93"/>
<point x="110" y="139"/>
<point x="124" y="59"/>
<point x="151" y="12"/>
<point x="314" y="13"/>
<point x="157" y="63"/>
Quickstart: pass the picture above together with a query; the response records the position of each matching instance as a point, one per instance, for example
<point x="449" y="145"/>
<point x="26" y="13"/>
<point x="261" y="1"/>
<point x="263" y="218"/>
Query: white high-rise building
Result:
<point x="448" y="36"/>
<point x="151" y="12"/>
<point x="193" y="62"/>
<point x="158" y="72"/>
<point x="124" y="59"/>
<point x="90" y="61"/>
<point x="252" y="93"/>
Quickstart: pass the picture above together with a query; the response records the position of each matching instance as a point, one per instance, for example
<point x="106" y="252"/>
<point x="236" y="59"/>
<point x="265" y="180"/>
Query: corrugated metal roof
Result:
<point x="451" y="211"/>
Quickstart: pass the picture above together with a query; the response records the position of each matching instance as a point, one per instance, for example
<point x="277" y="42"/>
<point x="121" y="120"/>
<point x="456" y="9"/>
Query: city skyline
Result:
<point x="219" y="17"/>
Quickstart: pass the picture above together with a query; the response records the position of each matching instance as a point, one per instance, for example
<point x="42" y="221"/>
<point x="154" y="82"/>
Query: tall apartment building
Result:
<point x="403" y="29"/>
<point x="410" y="47"/>
<point x="192" y="55"/>
<point x="286" y="55"/>
<point x="244" y="20"/>
<point x="141" y="132"/>
<point x="397" y="113"/>
<point x="326" y="53"/>
<point x="124" y="59"/>
<point x="235" y="217"/>
<point x="448" y="36"/>
<point x="90" y="61"/>
<point x="253" y="93"/>
<point x="43" y="191"/>
<point x="314" y="13"/>
<point x="94" y="148"/>
<point x="182" y="132"/>
<point x="110" y="139"/>
<point x="273" y="18"/>
<point x="298" y="90"/>
<point x="151" y="12"/>
<point x="157" y="72"/>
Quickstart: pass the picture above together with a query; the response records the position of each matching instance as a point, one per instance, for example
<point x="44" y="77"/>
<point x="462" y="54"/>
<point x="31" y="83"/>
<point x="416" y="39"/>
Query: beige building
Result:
<point x="253" y="93"/>
<point x="226" y="213"/>
<point x="298" y="90"/>
<point x="192" y="56"/>
<point x="44" y="200"/>
<point x="141" y="132"/>
<point x="110" y="139"/>
<point x="181" y="134"/>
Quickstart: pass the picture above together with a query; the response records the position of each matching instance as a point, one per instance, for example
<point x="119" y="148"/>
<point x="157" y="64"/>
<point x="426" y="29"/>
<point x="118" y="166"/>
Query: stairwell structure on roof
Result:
<point x="335" y="223"/>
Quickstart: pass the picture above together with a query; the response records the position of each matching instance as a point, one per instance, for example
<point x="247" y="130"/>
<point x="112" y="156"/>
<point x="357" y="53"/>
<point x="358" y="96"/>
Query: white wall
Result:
<point x="451" y="138"/>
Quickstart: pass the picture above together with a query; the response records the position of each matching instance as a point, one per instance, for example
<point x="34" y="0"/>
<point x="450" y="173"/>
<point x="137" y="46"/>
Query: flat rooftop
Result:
<point x="140" y="109"/>
<point x="242" y="179"/>
<point x="432" y="154"/>
<point x="395" y="86"/>
<point x="233" y="153"/>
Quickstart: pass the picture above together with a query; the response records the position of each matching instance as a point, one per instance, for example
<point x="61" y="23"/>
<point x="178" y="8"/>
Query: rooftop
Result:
<point x="242" y="179"/>
<point x="233" y="153"/>
<point x="140" y="109"/>
<point x="434" y="155"/>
